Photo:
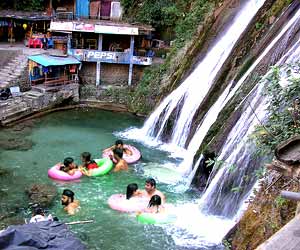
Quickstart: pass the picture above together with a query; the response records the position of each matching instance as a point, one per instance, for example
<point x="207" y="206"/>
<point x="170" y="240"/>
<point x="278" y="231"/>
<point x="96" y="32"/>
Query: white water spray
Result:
<point x="202" y="77"/>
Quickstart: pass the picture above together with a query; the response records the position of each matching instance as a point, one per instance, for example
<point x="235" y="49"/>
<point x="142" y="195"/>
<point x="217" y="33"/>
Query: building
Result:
<point x="111" y="51"/>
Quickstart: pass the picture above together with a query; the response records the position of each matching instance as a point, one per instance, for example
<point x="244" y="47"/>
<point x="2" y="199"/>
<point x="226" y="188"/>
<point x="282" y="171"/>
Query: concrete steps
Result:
<point x="13" y="116"/>
<point x="10" y="73"/>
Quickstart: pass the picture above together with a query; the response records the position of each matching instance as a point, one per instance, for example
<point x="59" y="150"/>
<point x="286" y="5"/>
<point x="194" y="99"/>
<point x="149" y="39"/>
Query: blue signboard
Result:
<point x="82" y="8"/>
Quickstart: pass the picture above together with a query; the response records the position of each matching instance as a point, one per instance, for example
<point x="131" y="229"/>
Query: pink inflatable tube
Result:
<point x="56" y="174"/>
<point x="120" y="203"/>
<point x="136" y="154"/>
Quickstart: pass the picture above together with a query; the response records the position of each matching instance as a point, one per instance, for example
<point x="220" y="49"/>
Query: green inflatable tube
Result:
<point x="105" y="165"/>
<point x="160" y="218"/>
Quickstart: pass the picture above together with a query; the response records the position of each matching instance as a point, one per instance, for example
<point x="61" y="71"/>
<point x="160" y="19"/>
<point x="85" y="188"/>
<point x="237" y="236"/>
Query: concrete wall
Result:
<point x="111" y="74"/>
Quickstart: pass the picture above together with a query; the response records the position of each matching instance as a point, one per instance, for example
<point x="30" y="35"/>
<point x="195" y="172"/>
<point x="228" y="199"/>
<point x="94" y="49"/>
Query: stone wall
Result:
<point x="111" y="74"/>
<point x="23" y="81"/>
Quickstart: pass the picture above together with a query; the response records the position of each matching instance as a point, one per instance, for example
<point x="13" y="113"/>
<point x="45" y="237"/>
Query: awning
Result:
<point x="46" y="60"/>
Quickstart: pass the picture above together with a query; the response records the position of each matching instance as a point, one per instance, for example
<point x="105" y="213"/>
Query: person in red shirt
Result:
<point x="87" y="163"/>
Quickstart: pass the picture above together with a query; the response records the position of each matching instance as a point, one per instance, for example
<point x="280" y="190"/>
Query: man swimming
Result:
<point x="121" y="163"/>
<point x="67" y="200"/>
<point x="150" y="190"/>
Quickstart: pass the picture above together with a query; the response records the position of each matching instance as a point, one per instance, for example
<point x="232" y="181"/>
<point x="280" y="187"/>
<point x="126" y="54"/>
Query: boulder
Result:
<point x="42" y="194"/>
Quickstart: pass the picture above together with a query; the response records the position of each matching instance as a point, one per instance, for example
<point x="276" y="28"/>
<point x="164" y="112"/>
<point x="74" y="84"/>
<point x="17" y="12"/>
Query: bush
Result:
<point x="283" y="110"/>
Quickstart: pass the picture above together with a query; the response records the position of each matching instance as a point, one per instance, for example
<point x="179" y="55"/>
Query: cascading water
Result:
<point x="238" y="151"/>
<point x="212" y="115"/>
<point x="224" y="195"/>
<point x="187" y="94"/>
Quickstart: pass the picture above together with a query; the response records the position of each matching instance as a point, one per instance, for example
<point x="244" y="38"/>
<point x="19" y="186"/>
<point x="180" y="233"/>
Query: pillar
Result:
<point x="98" y="66"/>
<point x="131" y="60"/>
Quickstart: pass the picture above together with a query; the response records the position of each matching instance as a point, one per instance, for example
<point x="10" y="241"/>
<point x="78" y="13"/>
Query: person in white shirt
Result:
<point x="39" y="215"/>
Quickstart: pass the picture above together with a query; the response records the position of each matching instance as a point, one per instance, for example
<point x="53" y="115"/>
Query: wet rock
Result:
<point x="14" y="138"/>
<point x="16" y="144"/>
<point x="10" y="220"/>
<point x="3" y="172"/>
<point x="42" y="194"/>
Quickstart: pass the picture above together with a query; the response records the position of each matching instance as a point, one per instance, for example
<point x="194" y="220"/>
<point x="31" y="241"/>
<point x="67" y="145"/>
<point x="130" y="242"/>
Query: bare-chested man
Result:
<point x="67" y="200"/>
<point x="150" y="190"/>
<point x="121" y="163"/>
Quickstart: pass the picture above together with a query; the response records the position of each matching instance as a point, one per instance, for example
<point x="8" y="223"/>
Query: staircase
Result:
<point x="15" y="69"/>
<point x="10" y="73"/>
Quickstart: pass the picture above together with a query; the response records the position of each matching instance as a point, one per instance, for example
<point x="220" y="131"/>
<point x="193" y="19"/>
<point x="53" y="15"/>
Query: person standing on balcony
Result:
<point x="45" y="42"/>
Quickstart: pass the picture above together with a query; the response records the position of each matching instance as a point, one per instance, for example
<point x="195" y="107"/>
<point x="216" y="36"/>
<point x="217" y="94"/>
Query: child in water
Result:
<point x="133" y="191"/>
<point x="69" y="166"/>
<point x="39" y="215"/>
<point x="155" y="205"/>
<point x="87" y="164"/>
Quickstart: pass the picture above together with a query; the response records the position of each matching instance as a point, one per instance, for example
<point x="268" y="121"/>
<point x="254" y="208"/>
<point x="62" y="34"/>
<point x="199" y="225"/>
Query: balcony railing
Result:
<point x="69" y="16"/>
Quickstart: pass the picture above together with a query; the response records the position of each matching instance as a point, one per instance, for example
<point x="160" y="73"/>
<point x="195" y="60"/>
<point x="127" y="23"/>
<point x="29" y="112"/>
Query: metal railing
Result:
<point x="69" y="16"/>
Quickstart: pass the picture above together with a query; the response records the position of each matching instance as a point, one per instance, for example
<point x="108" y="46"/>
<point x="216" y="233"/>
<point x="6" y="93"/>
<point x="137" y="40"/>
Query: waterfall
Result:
<point x="233" y="182"/>
<point x="187" y="94"/>
<point x="212" y="115"/>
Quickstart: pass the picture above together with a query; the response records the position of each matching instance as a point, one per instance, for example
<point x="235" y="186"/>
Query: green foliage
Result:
<point x="147" y="90"/>
<point x="160" y="14"/>
<point x="278" y="6"/>
<point x="26" y="5"/>
<point x="236" y="189"/>
<point x="259" y="25"/>
<point x="215" y="162"/>
<point x="279" y="201"/>
<point x="179" y="15"/>
<point x="259" y="173"/>
<point x="187" y="26"/>
<point x="283" y="116"/>
<point x="127" y="5"/>
<point x="226" y="244"/>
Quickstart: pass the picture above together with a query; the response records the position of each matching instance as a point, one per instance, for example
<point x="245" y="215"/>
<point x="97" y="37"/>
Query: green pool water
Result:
<point x="69" y="133"/>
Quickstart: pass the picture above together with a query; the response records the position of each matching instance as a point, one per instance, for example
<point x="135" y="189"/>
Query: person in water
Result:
<point x="155" y="205"/>
<point x="87" y="164"/>
<point x="69" y="166"/>
<point x="121" y="163"/>
<point x="150" y="190"/>
<point x="133" y="191"/>
<point x="67" y="200"/>
<point x="119" y="144"/>
<point x="39" y="215"/>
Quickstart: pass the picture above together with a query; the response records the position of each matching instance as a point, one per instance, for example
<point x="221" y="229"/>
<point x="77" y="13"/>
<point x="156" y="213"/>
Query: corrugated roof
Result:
<point x="46" y="60"/>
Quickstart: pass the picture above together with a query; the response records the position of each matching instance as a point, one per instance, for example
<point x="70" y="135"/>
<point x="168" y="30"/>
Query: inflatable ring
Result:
<point x="105" y="165"/>
<point x="156" y="218"/>
<point x="57" y="174"/>
<point x="136" y="154"/>
<point x="120" y="203"/>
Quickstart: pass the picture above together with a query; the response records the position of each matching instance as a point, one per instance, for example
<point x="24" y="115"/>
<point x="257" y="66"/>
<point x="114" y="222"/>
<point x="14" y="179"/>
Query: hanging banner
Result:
<point x="85" y="27"/>
<point x="61" y="26"/>
<point x="119" y="30"/>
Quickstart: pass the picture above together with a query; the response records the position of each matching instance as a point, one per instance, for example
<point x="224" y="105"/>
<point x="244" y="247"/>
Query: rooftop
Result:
<point x="25" y="15"/>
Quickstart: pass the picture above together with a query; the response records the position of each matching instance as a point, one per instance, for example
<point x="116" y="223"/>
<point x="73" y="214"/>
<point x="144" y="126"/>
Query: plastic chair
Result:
<point x="37" y="43"/>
